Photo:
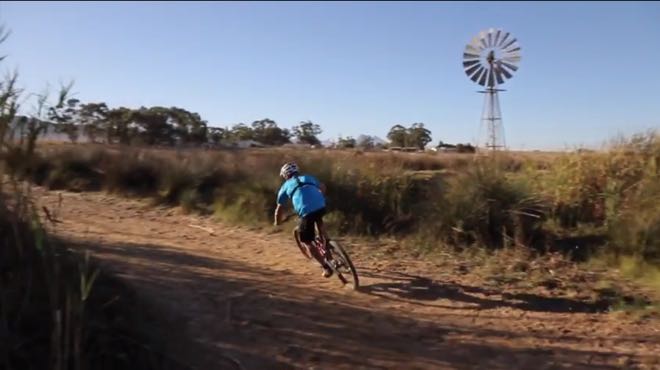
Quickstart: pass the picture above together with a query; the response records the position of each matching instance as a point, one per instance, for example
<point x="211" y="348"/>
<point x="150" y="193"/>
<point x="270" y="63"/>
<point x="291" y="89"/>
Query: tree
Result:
<point x="345" y="143"/>
<point x="365" y="142"/>
<point x="65" y="114"/>
<point x="150" y="126"/>
<point x="241" y="132"/>
<point x="93" y="120"/>
<point x="419" y="136"/>
<point x="38" y="123"/>
<point x="465" y="148"/>
<point x="416" y="135"/>
<point x="9" y="104"/>
<point x="267" y="132"/>
<point x="398" y="136"/>
<point x="187" y="127"/>
<point x="217" y="134"/>
<point x="306" y="132"/>
<point x="30" y="128"/>
<point x="119" y="126"/>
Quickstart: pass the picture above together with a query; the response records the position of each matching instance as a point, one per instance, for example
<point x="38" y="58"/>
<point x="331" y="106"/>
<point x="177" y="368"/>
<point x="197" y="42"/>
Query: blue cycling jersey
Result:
<point x="304" y="192"/>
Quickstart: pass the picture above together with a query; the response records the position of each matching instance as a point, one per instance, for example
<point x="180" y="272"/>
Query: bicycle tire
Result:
<point x="303" y="249"/>
<point x="336" y="250"/>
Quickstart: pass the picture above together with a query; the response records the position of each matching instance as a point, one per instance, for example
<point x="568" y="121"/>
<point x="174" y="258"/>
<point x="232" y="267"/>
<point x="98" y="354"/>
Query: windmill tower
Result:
<point x="491" y="58"/>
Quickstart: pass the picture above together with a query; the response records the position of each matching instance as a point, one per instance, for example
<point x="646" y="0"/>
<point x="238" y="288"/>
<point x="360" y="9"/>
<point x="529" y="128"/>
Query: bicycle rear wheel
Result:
<point x="342" y="265"/>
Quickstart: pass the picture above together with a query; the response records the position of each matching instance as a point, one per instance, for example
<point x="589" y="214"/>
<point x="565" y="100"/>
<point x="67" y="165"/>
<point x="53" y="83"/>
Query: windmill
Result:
<point x="490" y="59"/>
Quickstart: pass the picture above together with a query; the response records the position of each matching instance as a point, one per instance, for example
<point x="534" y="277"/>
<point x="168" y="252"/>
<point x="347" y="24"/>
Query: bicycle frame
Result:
<point x="329" y="253"/>
<point x="320" y="243"/>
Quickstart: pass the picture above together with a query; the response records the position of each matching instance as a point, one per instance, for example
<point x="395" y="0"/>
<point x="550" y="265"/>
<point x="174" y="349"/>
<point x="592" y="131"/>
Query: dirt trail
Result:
<point x="250" y="296"/>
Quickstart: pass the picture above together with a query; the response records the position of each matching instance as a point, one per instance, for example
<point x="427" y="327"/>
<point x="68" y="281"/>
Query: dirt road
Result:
<point x="248" y="295"/>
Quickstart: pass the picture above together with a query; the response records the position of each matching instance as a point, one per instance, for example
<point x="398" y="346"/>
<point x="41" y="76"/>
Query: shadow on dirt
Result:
<point x="263" y="319"/>
<point x="418" y="288"/>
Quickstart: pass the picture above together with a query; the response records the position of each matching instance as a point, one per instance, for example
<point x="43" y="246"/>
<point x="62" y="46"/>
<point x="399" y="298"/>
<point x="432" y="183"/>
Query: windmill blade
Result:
<point x="490" y="39"/>
<point x="516" y="49"/>
<point x="498" y="76"/>
<point x="506" y="73"/>
<point x="476" y="44"/>
<point x="483" y="43"/>
<point x="484" y="76"/>
<point x="471" y="49"/>
<point x="511" y="53"/>
<point x="468" y="56"/>
<point x="469" y="64"/>
<point x="510" y="66"/>
<point x="482" y="39"/>
<point x="497" y="38"/>
<point x="503" y="40"/>
<point x="511" y="57"/>
<point x="470" y="70"/>
<point x="511" y="42"/>
<point x="475" y="77"/>
<point x="491" y="78"/>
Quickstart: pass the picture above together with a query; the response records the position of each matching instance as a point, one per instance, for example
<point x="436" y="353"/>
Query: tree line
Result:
<point x="171" y="126"/>
<point x="166" y="126"/>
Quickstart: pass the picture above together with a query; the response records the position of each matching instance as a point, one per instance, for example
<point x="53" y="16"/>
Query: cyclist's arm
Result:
<point x="278" y="214"/>
<point x="282" y="199"/>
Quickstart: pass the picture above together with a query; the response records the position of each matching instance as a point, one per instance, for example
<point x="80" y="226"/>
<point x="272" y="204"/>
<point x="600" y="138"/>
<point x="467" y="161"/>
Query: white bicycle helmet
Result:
<point x="288" y="169"/>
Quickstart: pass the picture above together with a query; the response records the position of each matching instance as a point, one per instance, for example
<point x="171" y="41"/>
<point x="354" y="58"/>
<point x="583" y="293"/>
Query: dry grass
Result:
<point x="57" y="309"/>
<point x="531" y="199"/>
<point x="582" y="204"/>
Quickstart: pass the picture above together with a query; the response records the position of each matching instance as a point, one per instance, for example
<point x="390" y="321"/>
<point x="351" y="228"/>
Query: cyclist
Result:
<point x="306" y="194"/>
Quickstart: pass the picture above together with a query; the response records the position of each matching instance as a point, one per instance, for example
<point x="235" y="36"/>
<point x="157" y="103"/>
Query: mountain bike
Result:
<point x="333" y="254"/>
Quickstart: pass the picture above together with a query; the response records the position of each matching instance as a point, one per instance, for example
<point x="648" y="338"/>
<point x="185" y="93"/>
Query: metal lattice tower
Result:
<point x="490" y="59"/>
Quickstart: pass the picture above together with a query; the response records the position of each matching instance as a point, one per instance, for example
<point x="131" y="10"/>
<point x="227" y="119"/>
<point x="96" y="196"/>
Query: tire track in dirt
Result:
<point x="250" y="296"/>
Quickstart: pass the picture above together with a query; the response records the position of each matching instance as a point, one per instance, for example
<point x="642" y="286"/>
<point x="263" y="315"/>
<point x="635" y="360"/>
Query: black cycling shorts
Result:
<point x="306" y="225"/>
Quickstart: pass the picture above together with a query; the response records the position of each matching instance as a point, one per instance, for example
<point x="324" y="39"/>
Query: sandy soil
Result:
<point x="246" y="298"/>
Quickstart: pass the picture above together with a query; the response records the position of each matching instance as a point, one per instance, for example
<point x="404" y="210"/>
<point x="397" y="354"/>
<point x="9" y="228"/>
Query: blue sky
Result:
<point x="589" y="71"/>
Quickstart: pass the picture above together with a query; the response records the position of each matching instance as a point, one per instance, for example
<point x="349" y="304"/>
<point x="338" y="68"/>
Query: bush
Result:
<point x="134" y="176"/>
<point x="485" y="207"/>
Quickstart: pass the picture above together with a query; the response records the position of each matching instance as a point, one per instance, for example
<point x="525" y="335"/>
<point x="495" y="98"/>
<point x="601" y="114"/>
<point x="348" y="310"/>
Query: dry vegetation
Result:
<point x="516" y="220"/>
<point x="58" y="310"/>
<point x="601" y="204"/>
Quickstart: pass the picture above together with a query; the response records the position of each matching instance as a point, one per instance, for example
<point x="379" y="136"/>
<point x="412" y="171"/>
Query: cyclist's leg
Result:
<point x="307" y="235"/>
<point x="318" y="222"/>
<point x="320" y="225"/>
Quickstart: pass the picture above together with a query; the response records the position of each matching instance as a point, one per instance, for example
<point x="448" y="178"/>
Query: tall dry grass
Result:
<point x="615" y="193"/>
<point x="58" y="311"/>
<point x="458" y="200"/>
